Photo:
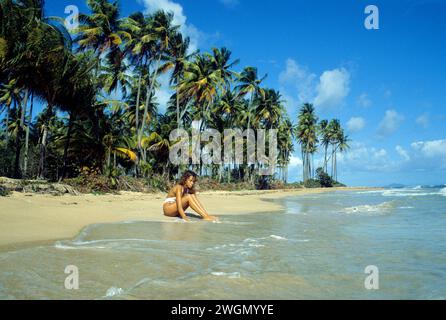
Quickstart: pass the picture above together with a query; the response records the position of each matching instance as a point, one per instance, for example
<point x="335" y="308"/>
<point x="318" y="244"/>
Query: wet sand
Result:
<point x="26" y="218"/>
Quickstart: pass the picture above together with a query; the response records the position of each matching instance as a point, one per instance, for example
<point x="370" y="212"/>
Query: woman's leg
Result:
<point x="195" y="206"/>
<point x="171" y="210"/>
<point x="199" y="203"/>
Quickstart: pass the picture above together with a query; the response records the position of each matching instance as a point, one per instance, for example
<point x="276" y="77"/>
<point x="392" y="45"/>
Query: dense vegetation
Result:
<point x="101" y="124"/>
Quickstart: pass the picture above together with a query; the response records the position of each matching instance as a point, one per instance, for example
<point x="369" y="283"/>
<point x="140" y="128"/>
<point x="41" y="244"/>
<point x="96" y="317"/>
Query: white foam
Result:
<point x="233" y="275"/>
<point x="277" y="237"/>
<point x="113" y="292"/>
<point x="379" y="208"/>
<point x="406" y="193"/>
<point x="369" y="191"/>
<point x="61" y="246"/>
<point x="442" y="192"/>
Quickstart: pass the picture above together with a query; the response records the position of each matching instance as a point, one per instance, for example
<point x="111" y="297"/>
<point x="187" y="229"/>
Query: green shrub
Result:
<point x="4" y="192"/>
<point x="312" y="183"/>
<point x="324" y="179"/>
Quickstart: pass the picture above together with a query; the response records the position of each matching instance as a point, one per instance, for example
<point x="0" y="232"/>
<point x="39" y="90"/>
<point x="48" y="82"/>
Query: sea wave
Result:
<point x="382" y="208"/>
<point x="410" y="193"/>
<point x="232" y="275"/>
<point x="93" y="244"/>
<point x="114" y="292"/>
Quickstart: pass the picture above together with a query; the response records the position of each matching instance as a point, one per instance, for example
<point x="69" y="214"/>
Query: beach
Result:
<point x="27" y="217"/>
<point x="306" y="244"/>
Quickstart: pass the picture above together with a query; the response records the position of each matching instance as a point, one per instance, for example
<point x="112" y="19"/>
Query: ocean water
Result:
<point x="317" y="247"/>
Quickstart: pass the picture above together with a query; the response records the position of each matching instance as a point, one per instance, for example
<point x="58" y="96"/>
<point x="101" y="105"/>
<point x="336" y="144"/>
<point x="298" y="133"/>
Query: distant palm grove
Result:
<point x="98" y="85"/>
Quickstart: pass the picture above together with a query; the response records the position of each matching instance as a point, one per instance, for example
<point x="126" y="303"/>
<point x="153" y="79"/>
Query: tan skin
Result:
<point x="184" y="201"/>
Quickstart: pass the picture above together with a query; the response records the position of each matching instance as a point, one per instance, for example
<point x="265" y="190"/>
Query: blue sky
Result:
<point x="386" y="86"/>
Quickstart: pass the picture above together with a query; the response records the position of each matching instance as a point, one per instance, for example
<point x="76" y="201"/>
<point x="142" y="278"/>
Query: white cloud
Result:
<point x="295" y="162"/>
<point x="364" y="100"/>
<point x="362" y="158"/>
<point x="423" y="120"/>
<point x="179" y="19"/>
<point x="403" y="153"/>
<point x="325" y="91"/>
<point x="381" y="153"/>
<point x="355" y="124"/>
<point x="299" y="79"/>
<point x="390" y="123"/>
<point x="431" y="149"/>
<point x="333" y="87"/>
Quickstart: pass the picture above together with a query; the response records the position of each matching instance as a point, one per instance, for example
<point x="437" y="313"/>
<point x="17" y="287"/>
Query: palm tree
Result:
<point x="307" y="137"/>
<point x="343" y="146"/>
<point x="324" y="132"/>
<point x="250" y="84"/>
<point x="99" y="31"/>
<point x="334" y="133"/>
<point x="269" y="109"/>
<point x="9" y="94"/>
<point x="140" y="44"/>
<point x="202" y="83"/>
<point x="163" y="29"/>
<point x="285" y="136"/>
<point x="176" y="61"/>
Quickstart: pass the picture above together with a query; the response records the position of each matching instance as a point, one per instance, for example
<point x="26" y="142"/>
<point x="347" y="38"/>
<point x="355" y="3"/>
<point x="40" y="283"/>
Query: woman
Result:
<point x="183" y="196"/>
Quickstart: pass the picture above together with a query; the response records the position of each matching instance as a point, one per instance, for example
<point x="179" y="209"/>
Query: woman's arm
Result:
<point x="178" y="195"/>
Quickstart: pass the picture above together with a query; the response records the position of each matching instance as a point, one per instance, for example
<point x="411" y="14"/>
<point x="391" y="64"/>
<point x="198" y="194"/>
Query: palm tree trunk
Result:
<point x="8" y="110"/>
<point x="30" y="116"/>
<point x="336" y="166"/>
<point x="178" y="103"/>
<point x="108" y="157"/>
<point x="67" y="144"/>
<point x="148" y="99"/>
<point x="325" y="159"/>
<point x="22" y="111"/>
<point x="251" y="100"/>
<point x="17" y="173"/>
<point x="138" y="96"/>
<point x="41" y="172"/>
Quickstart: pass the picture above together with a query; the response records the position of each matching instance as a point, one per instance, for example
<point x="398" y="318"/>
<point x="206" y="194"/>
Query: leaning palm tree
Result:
<point x="176" y="59"/>
<point x="335" y="133"/>
<point x="342" y="146"/>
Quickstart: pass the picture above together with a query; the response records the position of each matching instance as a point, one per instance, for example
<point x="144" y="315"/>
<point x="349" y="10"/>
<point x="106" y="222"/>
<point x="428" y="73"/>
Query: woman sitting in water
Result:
<point x="183" y="196"/>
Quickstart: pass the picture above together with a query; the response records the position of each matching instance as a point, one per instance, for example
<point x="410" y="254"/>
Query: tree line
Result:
<point x="98" y="86"/>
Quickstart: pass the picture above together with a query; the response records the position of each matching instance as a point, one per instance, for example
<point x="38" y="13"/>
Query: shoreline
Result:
<point x="29" y="219"/>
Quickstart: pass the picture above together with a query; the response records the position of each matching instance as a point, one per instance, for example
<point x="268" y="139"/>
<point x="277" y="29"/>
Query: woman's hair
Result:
<point x="186" y="175"/>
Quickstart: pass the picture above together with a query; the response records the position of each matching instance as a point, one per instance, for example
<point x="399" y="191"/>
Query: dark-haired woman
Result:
<point x="183" y="196"/>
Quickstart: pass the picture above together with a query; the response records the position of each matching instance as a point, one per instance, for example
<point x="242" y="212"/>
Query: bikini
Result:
<point x="174" y="199"/>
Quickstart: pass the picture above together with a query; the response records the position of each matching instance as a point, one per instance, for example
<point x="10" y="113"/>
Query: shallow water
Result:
<point x="317" y="247"/>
